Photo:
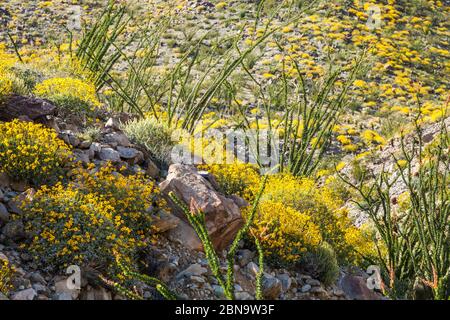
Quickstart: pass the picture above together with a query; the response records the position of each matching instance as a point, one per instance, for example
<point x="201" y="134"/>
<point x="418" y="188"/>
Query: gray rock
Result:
<point x="305" y="288"/>
<point x="243" y="296"/>
<point x="70" y="138"/>
<point x="218" y="291"/>
<point x="94" y="149"/>
<point x="286" y="281"/>
<point x="198" y="279"/>
<point x="19" y="186"/>
<point x="127" y="153"/>
<point x="14" y="230"/>
<point x="86" y="144"/>
<point x="193" y="270"/>
<point x="3" y="297"/>
<point x="313" y="282"/>
<point x="166" y="270"/>
<point x="4" y="180"/>
<point x="3" y="257"/>
<point x="63" y="296"/>
<point x="245" y="256"/>
<point x="61" y="288"/>
<point x="119" y="138"/>
<point x="4" y="214"/>
<point x="252" y="269"/>
<point x="338" y="292"/>
<point x="81" y="156"/>
<point x="27" y="294"/>
<point x="99" y="293"/>
<point x="318" y="290"/>
<point x="152" y="169"/>
<point x="271" y="287"/>
<point x="109" y="154"/>
<point x="113" y="124"/>
<point x="39" y="288"/>
<point x="36" y="277"/>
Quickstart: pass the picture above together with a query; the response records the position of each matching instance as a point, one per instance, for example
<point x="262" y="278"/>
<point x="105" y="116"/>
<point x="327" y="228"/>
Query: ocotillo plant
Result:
<point x="96" y="48"/>
<point x="416" y="234"/>
<point x="311" y="110"/>
<point x="150" y="281"/>
<point x="197" y="220"/>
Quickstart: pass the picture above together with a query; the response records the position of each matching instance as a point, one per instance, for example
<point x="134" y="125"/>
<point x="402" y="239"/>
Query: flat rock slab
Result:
<point x="20" y="107"/>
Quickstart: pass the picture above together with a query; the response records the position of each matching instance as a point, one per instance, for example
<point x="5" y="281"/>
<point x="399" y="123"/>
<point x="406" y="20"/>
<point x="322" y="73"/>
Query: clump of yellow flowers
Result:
<point x="6" y="86"/>
<point x="6" y="61"/>
<point x="31" y="152"/>
<point x="239" y="179"/>
<point x="6" y="274"/>
<point x="322" y="204"/>
<point x="285" y="233"/>
<point x="69" y="93"/>
<point x="295" y="214"/>
<point x="87" y="221"/>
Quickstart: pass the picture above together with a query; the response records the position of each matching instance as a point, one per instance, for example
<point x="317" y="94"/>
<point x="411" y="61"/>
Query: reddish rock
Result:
<point x="19" y="107"/>
<point x="355" y="288"/>
<point x="223" y="216"/>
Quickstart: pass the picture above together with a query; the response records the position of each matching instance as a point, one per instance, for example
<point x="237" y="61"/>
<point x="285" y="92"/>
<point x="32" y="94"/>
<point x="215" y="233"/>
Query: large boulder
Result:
<point x="222" y="214"/>
<point x="26" y="108"/>
<point x="355" y="288"/>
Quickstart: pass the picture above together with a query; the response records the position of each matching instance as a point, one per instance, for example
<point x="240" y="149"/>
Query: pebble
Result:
<point x="27" y="294"/>
<point x="305" y="288"/>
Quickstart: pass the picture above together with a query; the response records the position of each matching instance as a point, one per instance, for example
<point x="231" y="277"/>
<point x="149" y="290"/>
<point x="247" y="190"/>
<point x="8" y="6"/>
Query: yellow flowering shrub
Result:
<point x="69" y="93"/>
<point x="6" y="274"/>
<point x="285" y="233"/>
<point x="322" y="204"/>
<point x="362" y="241"/>
<point x="238" y="178"/>
<point x="7" y="60"/>
<point x="89" y="219"/>
<point x="70" y="227"/>
<point x="31" y="152"/>
<point x="6" y="85"/>
<point x="134" y="198"/>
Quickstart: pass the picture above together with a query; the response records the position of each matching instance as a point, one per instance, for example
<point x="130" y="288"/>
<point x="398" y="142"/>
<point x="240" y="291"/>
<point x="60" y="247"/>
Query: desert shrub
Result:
<point x="70" y="227"/>
<point x="25" y="78"/>
<point x="90" y="134"/>
<point x="16" y="77"/>
<point x="362" y="241"/>
<point x="153" y="135"/>
<point x="285" y="234"/>
<point x="6" y="85"/>
<point x="69" y="94"/>
<point x="238" y="178"/>
<point x="320" y="203"/>
<point x="32" y="152"/>
<point x="6" y="62"/>
<point x="321" y="263"/>
<point x="92" y="217"/>
<point x="6" y="274"/>
<point x="134" y="198"/>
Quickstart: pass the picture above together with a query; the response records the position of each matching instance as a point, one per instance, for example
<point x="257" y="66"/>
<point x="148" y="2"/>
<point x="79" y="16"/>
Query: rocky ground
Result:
<point x="176" y="257"/>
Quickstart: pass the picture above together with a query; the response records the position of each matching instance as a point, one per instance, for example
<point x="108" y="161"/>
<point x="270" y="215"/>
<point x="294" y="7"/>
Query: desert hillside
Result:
<point x="205" y="150"/>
